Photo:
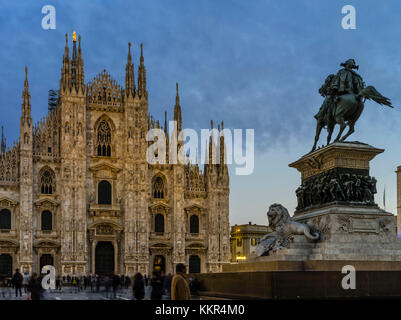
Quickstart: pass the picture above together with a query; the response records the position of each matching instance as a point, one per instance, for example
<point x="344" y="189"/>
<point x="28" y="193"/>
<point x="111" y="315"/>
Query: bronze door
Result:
<point x="104" y="257"/>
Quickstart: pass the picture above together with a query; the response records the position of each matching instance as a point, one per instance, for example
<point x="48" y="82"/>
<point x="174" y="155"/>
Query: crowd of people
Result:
<point x="174" y="287"/>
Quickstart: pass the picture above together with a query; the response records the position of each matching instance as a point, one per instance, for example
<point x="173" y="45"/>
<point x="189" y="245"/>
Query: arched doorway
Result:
<point x="159" y="264"/>
<point x="104" y="257"/>
<point x="46" y="260"/>
<point x="194" y="264"/>
<point x="6" y="265"/>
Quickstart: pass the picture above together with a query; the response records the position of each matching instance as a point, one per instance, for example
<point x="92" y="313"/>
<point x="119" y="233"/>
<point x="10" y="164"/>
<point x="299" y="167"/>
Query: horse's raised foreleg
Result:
<point x="350" y="131"/>
<point x="342" y="124"/>
<point x="318" y="130"/>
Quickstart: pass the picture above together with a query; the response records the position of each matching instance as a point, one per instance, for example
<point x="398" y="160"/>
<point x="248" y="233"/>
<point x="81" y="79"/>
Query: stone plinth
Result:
<point x="336" y="174"/>
<point x="352" y="157"/>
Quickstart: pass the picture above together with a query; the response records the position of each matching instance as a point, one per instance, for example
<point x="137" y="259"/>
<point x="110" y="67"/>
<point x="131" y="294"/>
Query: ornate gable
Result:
<point x="46" y="203"/>
<point x="105" y="170"/>
<point x="159" y="207"/>
<point x="104" y="90"/>
<point x="7" y="202"/>
<point x="194" y="209"/>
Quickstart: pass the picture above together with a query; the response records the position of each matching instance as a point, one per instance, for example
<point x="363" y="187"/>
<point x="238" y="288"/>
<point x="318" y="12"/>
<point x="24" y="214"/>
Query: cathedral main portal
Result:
<point x="104" y="257"/>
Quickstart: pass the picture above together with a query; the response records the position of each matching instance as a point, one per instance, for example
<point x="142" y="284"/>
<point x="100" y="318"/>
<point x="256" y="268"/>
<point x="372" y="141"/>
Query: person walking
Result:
<point x="167" y="285"/>
<point x="35" y="287"/>
<point x="92" y="280"/>
<point x="127" y="282"/>
<point x="138" y="289"/>
<point x="17" y="282"/>
<point x="146" y="280"/>
<point x="107" y="285"/>
<point x="25" y="281"/>
<point x="97" y="283"/>
<point x="157" y="286"/>
<point x="122" y="281"/>
<point x="179" y="284"/>
<point x="115" y="284"/>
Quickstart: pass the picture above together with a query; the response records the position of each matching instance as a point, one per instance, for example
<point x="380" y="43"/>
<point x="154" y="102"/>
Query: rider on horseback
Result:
<point x="345" y="95"/>
<point x="345" y="81"/>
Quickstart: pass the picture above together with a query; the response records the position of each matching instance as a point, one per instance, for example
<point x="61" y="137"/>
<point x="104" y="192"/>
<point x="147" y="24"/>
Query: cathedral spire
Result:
<point x="65" y="69"/>
<point x="129" y="74"/>
<point x="80" y="67"/>
<point x="3" y="142"/>
<point x="74" y="62"/>
<point x="222" y="145"/>
<point x="165" y="122"/>
<point x="142" y="76"/>
<point x="177" y="110"/>
<point x="26" y="98"/>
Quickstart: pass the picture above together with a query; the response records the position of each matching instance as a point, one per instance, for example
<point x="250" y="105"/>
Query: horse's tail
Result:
<point x="371" y="93"/>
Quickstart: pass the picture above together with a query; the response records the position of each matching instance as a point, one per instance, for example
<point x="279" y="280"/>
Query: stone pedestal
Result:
<point x="336" y="198"/>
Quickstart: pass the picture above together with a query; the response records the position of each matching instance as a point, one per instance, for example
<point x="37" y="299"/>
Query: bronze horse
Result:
<point x="348" y="108"/>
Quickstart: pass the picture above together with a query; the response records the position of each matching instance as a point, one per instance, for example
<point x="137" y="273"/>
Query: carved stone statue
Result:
<point x="284" y="228"/>
<point x="345" y="94"/>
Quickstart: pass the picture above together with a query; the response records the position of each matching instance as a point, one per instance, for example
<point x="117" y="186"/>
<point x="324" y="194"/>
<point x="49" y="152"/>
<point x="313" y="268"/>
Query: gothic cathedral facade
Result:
<point x="77" y="191"/>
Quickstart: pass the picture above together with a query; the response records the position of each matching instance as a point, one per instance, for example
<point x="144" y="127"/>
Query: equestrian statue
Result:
<point x="345" y="94"/>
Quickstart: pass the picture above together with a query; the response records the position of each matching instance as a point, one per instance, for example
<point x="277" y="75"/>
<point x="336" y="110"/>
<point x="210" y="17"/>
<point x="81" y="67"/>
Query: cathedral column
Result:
<point x="115" y="245"/>
<point x="94" y="243"/>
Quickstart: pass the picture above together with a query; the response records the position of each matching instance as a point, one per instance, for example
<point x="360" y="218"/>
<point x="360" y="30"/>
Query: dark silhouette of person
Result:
<point x="17" y="282"/>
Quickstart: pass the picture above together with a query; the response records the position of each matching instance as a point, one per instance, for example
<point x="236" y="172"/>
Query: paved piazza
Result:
<point x="70" y="293"/>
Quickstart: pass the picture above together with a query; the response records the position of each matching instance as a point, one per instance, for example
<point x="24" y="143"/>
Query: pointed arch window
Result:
<point x="158" y="188"/>
<point x="103" y="143"/>
<point x="47" y="182"/>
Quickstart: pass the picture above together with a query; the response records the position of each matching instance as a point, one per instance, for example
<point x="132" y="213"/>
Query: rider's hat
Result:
<point x="350" y="63"/>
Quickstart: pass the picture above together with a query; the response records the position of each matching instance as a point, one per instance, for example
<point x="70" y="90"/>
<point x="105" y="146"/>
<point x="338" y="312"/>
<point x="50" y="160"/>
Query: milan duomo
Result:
<point x="77" y="191"/>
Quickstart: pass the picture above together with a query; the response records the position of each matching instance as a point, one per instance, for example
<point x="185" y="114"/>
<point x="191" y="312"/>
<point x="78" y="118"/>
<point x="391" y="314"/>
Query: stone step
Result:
<point x="301" y="245"/>
<point x="293" y="251"/>
<point x="357" y="246"/>
<point x="361" y="257"/>
<point x="287" y="257"/>
<point x="356" y="250"/>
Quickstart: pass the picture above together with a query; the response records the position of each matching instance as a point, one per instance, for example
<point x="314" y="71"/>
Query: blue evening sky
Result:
<point x="254" y="64"/>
